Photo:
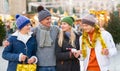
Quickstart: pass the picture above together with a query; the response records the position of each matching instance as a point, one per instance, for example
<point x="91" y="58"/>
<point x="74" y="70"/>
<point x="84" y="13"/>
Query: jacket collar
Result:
<point x="19" y="37"/>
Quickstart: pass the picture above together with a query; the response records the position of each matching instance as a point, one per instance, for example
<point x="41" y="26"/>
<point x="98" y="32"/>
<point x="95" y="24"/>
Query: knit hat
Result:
<point x="68" y="20"/>
<point x="89" y="19"/>
<point x="42" y="13"/>
<point x="21" y="21"/>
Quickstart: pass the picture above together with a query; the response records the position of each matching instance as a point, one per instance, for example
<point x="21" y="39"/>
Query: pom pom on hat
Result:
<point x="21" y="21"/>
<point x="40" y="8"/>
<point x="89" y="19"/>
<point x="42" y="13"/>
<point x="68" y="20"/>
<point x="17" y="16"/>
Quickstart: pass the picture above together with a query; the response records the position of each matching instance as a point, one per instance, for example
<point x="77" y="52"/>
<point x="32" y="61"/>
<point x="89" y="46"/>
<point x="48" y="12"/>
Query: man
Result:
<point x="45" y="35"/>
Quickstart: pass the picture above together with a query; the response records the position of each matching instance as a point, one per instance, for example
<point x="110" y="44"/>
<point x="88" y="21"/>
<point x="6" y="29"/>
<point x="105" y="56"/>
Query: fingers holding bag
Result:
<point x="22" y="57"/>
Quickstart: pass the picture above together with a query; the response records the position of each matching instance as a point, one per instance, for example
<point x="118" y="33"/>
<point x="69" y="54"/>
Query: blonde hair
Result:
<point x="61" y="38"/>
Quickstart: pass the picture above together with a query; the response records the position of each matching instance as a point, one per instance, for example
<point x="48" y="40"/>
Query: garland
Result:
<point x="86" y="41"/>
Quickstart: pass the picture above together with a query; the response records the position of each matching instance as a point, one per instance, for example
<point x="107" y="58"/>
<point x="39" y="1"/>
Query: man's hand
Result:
<point x="6" y="43"/>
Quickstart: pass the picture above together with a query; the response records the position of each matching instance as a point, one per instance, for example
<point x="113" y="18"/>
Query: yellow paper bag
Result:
<point x="26" y="67"/>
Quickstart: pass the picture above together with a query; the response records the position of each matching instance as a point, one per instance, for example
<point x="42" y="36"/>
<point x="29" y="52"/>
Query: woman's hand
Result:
<point x="77" y="53"/>
<point x="23" y="57"/>
<point x="31" y="60"/>
<point x="105" y="51"/>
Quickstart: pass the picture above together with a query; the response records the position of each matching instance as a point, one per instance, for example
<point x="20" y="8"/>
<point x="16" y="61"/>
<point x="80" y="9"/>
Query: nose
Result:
<point x="30" y="26"/>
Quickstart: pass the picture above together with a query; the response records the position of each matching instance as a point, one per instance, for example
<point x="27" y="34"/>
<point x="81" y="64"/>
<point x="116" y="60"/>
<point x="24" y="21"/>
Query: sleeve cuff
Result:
<point x="20" y="56"/>
<point x="36" y="60"/>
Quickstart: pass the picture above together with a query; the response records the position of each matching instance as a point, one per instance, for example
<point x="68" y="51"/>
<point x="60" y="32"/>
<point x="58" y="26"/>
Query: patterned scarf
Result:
<point x="86" y="42"/>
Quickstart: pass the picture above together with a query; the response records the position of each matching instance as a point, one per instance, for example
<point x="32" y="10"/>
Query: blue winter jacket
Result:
<point x="12" y="52"/>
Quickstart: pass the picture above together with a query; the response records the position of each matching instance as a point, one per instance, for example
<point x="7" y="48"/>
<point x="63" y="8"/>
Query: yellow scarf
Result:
<point x="86" y="42"/>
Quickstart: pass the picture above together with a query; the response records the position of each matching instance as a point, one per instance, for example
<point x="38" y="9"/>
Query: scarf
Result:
<point x="67" y="34"/>
<point x="86" y="41"/>
<point x="45" y="38"/>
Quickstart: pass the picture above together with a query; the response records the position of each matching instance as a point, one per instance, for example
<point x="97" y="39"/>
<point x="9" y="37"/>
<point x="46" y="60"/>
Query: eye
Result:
<point x="63" y="23"/>
<point x="28" y="24"/>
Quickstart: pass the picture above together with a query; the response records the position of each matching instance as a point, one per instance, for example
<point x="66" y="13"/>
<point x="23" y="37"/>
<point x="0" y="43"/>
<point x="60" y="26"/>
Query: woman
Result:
<point x="22" y="45"/>
<point x="45" y="35"/>
<point x="97" y="46"/>
<point x="67" y="46"/>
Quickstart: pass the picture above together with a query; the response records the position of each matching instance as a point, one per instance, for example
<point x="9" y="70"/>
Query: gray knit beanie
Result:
<point x="42" y="13"/>
<point x="89" y="19"/>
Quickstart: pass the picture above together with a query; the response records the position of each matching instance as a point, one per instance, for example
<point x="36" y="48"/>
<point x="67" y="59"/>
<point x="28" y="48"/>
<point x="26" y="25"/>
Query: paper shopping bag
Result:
<point x="26" y="67"/>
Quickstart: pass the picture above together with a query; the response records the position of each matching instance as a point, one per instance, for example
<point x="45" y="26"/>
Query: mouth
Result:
<point x="48" y="23"/>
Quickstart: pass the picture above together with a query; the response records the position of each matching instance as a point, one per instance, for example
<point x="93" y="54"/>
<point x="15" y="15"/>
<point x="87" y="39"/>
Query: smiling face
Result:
<point x="87" y="28"/>
<point x="47" y="21"/>
<point x="26" y="28"/>
<point x="65" y="26"/>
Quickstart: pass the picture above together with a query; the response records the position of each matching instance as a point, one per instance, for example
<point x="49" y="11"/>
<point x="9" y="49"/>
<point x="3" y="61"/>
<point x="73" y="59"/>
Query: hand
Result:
<point x="6" y="43"/>
<point x="77" y="53"/>
<point x="23" y="57"/>
<point x="105" y="51"/>
<point x="31" y="60"/>
<point x="73" y="50"/>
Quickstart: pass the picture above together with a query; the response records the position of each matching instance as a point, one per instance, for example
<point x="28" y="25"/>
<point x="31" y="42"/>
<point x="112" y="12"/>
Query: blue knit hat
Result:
<point x="42" y="13"/>
<point x="21" y="21"/>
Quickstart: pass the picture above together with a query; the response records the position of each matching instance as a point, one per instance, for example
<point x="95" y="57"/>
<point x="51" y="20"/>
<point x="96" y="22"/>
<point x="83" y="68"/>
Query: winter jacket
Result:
<point x="103" y="60"/>
<point x="16" y="47"/>
<point x="65" y="62"/>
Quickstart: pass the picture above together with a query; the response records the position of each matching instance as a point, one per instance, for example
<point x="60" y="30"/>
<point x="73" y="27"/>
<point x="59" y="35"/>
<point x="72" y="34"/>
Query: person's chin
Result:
<point x="47" y="25"/>
<point x="86" y="31"/>
<point x="63" y="30"/>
